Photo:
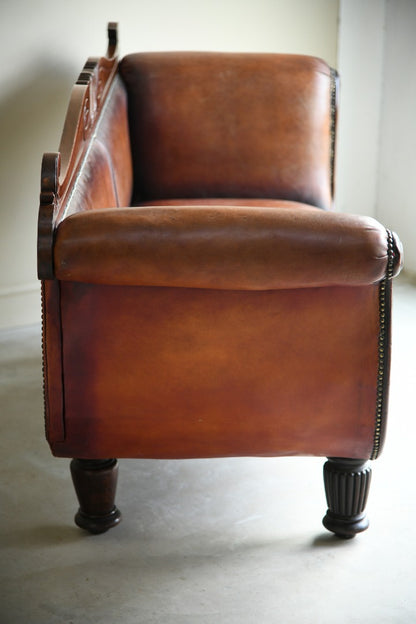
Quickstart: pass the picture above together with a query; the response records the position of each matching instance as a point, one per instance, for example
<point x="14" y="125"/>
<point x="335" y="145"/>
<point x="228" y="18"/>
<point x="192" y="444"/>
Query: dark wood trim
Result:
<point x="95" y="482"/>
<point x="59" y="169"/>
<point x="347" y="483"/>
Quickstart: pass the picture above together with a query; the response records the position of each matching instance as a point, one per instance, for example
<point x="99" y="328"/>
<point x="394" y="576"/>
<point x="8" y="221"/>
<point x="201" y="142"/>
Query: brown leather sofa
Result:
<point x="200" y="296"/>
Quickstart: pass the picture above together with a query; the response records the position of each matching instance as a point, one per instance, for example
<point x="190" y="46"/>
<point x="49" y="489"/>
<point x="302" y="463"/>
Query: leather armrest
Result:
<point x="223" y="247"/>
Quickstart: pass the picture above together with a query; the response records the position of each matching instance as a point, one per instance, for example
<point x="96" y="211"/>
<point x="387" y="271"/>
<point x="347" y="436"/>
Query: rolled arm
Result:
<point x="224" y="247"/>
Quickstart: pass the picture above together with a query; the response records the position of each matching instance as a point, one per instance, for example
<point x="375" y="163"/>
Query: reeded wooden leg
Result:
<point x="95" y="482"/>
<point x="347" y="483"/>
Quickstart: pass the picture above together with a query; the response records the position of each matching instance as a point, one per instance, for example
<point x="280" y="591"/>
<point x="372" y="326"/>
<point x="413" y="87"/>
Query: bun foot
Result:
<point x="345" y="528"/>
<point x="97" y="524"/>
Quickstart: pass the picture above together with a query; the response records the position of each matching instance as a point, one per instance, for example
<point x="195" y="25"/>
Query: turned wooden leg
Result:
<point x="95" y="482"/>
<point x="347" y="482"/>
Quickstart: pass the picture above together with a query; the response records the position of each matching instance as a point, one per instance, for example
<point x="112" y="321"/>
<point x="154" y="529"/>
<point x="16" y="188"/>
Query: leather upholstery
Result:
<point x="229" y="125"/>
<point x="203" y="304"/>
<point x="105" y="177"/>
<point x="177" y="372"/>
<point x="286" y="245"/>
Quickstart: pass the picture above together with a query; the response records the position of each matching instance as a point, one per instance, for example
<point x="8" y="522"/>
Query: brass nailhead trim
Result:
<point x="44" y="360"/>
<point x="382" y="346"/>
<point x="333" y="95"/>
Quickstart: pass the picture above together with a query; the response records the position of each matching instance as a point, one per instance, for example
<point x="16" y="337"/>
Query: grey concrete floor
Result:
<point x="203" y="541"/>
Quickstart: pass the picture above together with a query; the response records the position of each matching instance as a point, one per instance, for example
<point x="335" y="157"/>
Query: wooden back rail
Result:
<point x="59" y="169"/>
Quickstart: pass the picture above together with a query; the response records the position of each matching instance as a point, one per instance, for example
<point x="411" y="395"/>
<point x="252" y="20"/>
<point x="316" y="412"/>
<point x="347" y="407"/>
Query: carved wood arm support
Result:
<point x="59" y="169"/>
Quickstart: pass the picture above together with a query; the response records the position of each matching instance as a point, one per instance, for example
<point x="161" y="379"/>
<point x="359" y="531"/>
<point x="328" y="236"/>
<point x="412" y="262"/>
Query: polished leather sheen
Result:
<point x="229" y="125"/>
<point x="284" y="245"/>
<point x="172" y="372"/>
<point x="105" y="177"/>
<point x="203" y="304"/>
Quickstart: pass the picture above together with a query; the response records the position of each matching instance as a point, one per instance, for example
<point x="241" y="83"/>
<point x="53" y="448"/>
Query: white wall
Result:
<point x="396" y="204"/>
<point x="376" y="166"/>
<point x="360" y="63"/>
<point x="44" y="45"/>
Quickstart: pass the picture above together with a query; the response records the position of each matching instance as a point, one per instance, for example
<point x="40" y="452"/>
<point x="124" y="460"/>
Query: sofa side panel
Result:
<point x="175" y="372"/>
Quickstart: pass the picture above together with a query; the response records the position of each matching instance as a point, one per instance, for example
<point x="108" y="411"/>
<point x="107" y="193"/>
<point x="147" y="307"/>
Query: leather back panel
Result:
<point x="230" y="125"/>
<point x="105" y="178"/>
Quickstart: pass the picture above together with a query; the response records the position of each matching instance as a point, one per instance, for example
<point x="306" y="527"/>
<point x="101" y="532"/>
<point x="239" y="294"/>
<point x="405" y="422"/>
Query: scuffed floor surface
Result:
<point x="235" y="541"/>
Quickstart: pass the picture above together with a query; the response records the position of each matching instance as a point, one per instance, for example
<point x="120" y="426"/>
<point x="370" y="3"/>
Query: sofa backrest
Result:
<point x="104" y="178"/>
<point x="231" y="125"/>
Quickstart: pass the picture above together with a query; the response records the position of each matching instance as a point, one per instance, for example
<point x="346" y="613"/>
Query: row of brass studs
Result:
<point x="44" y="360"/>
<point x="333" y="95"/>
<point x="382" y="346"/>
